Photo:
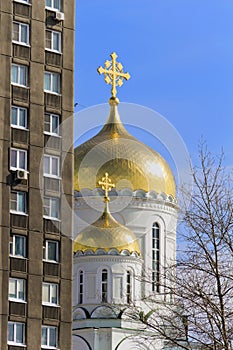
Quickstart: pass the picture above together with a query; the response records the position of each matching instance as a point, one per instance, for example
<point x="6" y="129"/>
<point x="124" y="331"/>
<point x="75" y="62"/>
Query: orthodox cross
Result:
<point x="113" y="73"/>
<point x="107" y="185"/>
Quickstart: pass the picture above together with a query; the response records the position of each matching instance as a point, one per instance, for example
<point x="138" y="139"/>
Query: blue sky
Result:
<point x="180" y="57"/>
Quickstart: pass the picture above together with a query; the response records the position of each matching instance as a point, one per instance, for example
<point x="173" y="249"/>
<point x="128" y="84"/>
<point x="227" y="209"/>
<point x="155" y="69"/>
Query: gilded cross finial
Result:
<point x="107" y="185"/>
<point x="113" y="73"/>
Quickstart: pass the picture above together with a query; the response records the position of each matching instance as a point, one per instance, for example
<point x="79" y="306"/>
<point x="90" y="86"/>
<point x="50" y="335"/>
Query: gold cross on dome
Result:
<point x="113" y="73"/>
<point x="107" y="185"/>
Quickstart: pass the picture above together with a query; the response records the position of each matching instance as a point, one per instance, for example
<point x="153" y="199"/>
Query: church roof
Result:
<point x="131" y="163"/>
<point x="106" y="233"/>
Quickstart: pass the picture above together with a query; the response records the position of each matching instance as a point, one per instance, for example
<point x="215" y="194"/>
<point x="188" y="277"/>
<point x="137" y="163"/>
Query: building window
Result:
<point x="51" y="166"/>
<point x="23" y="1"/>
<point x="104" y="286"/>
<point x="18" y="159"/>
<point x="49" y="337"/>
<point x="53" y="41"/>
<point x="128" y="287"/>
<point x="51" y="251"/>
<point x="52" y="82"/>
<point x="50" y="294"/>
<point x="16" y="333"/>
<point x="18" y="246"/>
<point x="18" y="117"/>
<point x="21" y="33"/>
<point x="51" y="208"/>
<point x="53" y="5"/>
<point x="51" y="124"/>
<point x="155" y="257"/>
<point x="16" y="289"/>
<point x="18" y="202"/>
<point x="81" y="287"/>
<point x="19" y="75"/>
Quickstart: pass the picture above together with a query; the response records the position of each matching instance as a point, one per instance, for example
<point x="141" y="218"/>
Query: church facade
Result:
<point x="126" y="215"/>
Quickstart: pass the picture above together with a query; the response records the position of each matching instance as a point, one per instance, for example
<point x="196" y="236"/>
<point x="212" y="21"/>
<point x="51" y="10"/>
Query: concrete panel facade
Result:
<point x="25" y="232"/>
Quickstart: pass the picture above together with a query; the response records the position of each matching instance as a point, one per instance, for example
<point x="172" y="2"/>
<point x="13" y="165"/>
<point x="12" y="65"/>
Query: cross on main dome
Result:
<point x="131" y="163"/>
<point x="113" y="73"/>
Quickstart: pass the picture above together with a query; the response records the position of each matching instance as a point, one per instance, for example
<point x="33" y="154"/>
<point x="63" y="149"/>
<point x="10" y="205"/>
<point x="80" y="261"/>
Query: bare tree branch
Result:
<point x="200" y="315"/>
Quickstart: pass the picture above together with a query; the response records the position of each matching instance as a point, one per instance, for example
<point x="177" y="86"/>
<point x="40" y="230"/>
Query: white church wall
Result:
<point x="130" y="211"/>
<point x="117" y="267"/>
<point x="114" y="339"/>
<point x="91" y="288"/>
<point x="139" y="216"/>
<point x="118" y="288"/>
<point x="78" y="343"/>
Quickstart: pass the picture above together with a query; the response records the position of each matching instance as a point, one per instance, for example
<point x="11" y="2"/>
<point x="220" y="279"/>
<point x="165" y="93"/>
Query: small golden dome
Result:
<point x="106" y="233"/>
<point x="131" y="163"/>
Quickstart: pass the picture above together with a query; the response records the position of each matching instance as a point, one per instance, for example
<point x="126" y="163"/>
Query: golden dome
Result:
<point x="106" y="233"/>
<point x="131" y="163"/>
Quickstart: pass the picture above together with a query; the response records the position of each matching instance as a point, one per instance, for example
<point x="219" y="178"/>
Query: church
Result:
<point x="125" y="233"/>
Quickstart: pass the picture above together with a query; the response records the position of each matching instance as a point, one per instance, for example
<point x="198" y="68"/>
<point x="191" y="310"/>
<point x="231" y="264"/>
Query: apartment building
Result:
<point x="36" y="173"/>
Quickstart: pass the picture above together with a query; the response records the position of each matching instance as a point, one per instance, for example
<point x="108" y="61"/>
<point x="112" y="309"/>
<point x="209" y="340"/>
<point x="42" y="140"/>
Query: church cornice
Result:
<point x="133" y="202"/>
<point x="127" y="192"/>
<point x="106" y="258"/>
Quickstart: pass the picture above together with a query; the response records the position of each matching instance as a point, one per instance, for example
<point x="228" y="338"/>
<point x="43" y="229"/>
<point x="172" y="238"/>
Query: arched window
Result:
<point x="155" y="257"/>
<point x="104" y="286"/>
<point x="128" y="287"/>
<point x="81" y="287"/>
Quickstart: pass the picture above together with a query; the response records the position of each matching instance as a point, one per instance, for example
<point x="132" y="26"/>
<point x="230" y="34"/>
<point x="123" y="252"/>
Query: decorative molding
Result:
<point x="127" y="192"/>
<point x="111" y="252"/>
<point x="107" y="258"/>
<point x="103" y="311"/>
<point x="130" y="201"/>
<point x="80" y="313"/>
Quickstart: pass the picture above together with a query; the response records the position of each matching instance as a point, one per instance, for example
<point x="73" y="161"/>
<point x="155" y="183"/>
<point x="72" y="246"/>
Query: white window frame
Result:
<point x="50" y="123"/>
<point x="50" y="287"/>
<point x="17" y="211"/>
<point x="23" y="2"/>
<point x="18" y="110"/>
<point x="51" y="159"/>
<point x="49" y="207"/>
<point x="18" y="152"/>
<point x="17" y="282"/>
<point x="13" y="247"/>
<point x="52" y="6"/>
<point x="20" y="25"/>
<point x="52" y="75"/>
<point x="52" y="49"/>
<point x="14" y="342"/>
<point x="46" y="251"/>
<point x="48" y="329"/>
<point x="19" y="67"/>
